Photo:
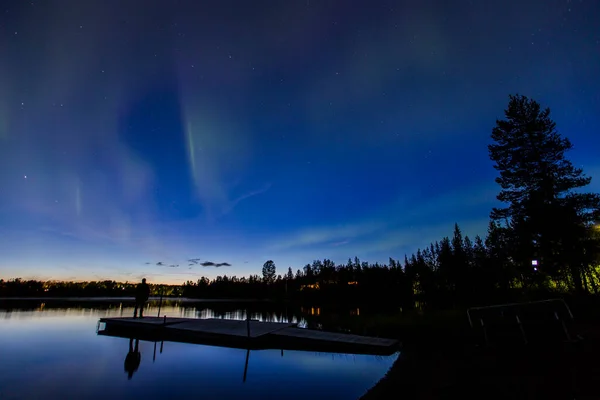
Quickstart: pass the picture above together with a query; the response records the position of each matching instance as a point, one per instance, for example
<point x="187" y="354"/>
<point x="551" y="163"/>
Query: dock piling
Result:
<point x="248" y="322"/>
<point x="160" y="302"/>
<point x="246" y="365"/>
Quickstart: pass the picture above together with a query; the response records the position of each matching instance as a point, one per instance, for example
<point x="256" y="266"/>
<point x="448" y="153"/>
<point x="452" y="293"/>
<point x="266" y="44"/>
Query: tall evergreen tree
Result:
<point x="547" y="217"/>
<point x="446" y="271"/>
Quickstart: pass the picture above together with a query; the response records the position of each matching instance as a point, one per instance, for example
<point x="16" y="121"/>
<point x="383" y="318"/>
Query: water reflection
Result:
<point x="133" y="358"/>
<point x="60" y="348"/>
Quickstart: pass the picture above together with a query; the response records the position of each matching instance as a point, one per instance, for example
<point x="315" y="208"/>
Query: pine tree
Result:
<point x="269" y="271"/>
<point x="469" y="251"/>
<point x="446" y="272"/>
<point x="547" y="219"/>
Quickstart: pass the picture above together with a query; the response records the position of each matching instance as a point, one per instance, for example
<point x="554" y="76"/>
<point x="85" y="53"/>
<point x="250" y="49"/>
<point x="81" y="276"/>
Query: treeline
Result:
<point x="454" y="271"/>
<point x="33" y="288"/>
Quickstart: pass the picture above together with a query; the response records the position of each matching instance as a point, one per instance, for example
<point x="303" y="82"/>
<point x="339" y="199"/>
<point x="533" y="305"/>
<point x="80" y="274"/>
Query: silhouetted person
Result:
<point x="142" y="292"/>
<point x="132" y="361"/>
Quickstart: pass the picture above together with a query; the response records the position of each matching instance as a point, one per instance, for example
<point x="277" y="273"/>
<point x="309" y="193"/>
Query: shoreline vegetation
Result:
<point x="131" y="299"/>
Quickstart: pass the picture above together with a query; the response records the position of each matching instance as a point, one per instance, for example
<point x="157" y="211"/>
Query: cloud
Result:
<point x="216" y="265"/>
<point x="409" y="238"/>
<point x="245" y="196"/>
<point x="323" y="235"/>
<point x="174" y="266"/>
<point x="343" y="242"/>
<point x="394" y="225"/>
<point x="160" y="263"/>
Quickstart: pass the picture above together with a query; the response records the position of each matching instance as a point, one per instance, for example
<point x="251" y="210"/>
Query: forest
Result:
<point x="545" y="241"/>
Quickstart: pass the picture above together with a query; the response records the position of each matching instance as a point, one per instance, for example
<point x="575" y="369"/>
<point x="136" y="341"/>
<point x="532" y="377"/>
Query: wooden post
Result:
<point x="246" y="365"/>
<point x="563" y="326"/>
<point x="248" y="322"/>
<point x="160" y="302"/>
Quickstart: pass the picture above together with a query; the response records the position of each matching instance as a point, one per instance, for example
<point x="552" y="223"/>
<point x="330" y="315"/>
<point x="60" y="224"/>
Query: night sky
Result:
<point x="240" y="131"/>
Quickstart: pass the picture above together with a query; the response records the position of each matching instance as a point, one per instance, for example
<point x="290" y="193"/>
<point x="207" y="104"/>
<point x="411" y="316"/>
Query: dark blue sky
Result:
<point x="238" y="131"/>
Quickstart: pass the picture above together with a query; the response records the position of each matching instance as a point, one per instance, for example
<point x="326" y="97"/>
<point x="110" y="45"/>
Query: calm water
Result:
<point x="55" y="353"/>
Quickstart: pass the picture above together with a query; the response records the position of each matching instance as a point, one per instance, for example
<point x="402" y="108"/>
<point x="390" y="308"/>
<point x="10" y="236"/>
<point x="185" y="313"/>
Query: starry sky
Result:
<point x="136" y="137"/>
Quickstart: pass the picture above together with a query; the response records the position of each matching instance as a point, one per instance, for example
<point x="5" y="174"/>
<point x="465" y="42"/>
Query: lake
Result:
<point x="52" y="351"/>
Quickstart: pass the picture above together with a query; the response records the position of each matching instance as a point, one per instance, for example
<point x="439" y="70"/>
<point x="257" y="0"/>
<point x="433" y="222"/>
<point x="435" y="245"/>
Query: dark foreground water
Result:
<point x="55" y="353"/>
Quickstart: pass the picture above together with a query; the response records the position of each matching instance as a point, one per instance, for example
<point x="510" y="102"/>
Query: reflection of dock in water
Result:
<point x="245" y="334"/>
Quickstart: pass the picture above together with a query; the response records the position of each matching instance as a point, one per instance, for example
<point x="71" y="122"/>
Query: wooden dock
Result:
<point x="244" y="334"/>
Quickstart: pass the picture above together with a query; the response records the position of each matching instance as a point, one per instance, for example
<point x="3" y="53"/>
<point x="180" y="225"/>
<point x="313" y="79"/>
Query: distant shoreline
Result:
<point x="132" y="299"/>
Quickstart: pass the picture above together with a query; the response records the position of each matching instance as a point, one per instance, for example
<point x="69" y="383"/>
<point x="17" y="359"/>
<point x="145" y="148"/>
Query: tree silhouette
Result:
<point x="548" y="220"/>
<point x="269" y="271"/>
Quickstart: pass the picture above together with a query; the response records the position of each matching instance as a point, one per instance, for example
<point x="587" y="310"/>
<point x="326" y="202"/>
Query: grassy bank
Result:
<point x="443" y="358"/>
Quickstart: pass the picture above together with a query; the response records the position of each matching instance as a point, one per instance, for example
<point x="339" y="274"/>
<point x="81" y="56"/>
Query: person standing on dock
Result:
<point x="142" y="293"/>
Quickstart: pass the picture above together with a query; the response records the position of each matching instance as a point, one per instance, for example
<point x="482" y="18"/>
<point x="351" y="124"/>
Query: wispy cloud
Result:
<point x="328" y="235"/>
<point x="410" y="238"/>
<point x="343" y="242"/>
<point x="245" y="196"/>
<point x="396" y="222"/>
